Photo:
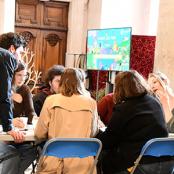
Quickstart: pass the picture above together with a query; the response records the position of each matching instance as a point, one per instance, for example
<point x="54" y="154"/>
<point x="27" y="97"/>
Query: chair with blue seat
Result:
<point x="73" y="148"/>
<point x="157" y="147"/>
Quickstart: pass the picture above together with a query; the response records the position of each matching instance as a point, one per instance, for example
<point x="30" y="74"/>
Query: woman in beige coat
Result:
<point x="69" y="114"/>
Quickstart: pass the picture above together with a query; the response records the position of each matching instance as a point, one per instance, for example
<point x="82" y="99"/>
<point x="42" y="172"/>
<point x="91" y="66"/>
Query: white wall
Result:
<point x="164" y="52"/>
<point x="9" y="20"/>
<point x="1" y="16"/>
<point x="94" y="14"/>
<point x="141" y="15"/>
<point x="7" y="16"/>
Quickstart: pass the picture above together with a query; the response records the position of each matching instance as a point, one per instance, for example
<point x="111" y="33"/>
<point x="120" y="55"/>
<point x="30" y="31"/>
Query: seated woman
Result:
<point x="22" y="97"/>
<point x="51" y="86"/>
<point x="159" y="84"/>
<point x="68" y="114"/>
<point x="137" y="117"/>
<point x="22" y="107"/>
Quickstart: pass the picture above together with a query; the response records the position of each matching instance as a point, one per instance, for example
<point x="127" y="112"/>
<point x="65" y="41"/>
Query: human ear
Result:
<point x="12" y="49"/>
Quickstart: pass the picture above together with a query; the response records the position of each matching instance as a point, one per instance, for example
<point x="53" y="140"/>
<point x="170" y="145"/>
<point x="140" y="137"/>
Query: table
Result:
<point x="171" y="135"/>
<point x="29" y="136"/>
<point x="29" y="133"/>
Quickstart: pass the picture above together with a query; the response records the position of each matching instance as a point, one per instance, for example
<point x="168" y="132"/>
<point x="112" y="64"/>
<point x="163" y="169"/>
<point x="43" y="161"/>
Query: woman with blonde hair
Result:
<point x="83" y="79"/>
<point x="160" y="85"/>
<point x="137" y="117"/>
<point x="67" y="114"/>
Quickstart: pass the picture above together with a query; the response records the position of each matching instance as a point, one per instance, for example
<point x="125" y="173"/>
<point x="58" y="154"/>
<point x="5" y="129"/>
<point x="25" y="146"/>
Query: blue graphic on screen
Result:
<point x="109" y="49"/>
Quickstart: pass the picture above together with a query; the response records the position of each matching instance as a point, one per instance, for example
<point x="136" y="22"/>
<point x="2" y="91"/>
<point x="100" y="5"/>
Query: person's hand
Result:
<point x="163" y="97"/>
<point x="17" y="97"/>
<point x="18" y="122"/>
<point x="17" y="135"/>
<point x="101" y="124"/>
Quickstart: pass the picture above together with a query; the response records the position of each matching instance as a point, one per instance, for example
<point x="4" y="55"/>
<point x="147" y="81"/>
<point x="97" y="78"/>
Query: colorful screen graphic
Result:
<point x="109" y="49"/>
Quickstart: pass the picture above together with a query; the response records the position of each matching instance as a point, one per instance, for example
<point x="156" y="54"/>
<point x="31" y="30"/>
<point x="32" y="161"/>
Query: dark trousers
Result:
<point x="149" y="165"/>
<point x="27" y="154"/>
<point x="9" y="159"/>
<point x="16" y="158"/>
<point x="160" y="167"/>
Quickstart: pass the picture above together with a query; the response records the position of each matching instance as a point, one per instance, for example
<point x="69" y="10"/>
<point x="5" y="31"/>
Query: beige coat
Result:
<point x="66" y="117"/>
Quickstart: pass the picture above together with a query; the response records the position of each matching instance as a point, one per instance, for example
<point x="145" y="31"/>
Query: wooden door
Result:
<point x="44" y="25"/>
<point x="53" y="47"/>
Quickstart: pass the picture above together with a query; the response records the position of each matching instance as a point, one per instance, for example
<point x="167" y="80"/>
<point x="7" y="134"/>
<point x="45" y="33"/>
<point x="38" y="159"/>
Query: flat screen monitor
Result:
<point x="109" y="49"/>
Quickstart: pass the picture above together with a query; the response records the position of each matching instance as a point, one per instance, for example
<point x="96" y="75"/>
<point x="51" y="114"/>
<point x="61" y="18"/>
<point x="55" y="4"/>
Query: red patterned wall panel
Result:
<point x="142" y="54"/>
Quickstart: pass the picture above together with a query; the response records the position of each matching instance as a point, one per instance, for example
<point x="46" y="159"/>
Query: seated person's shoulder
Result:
<point x="25" y="88"/>
<point x="40" y="95"/>
<point x="153" y="99"/>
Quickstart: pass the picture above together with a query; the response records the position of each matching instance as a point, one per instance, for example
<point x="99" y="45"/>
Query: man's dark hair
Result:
<point x="55" y="70"/>
<point x="8" y="39"/>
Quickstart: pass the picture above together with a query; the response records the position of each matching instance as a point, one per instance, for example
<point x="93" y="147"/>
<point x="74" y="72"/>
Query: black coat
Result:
<point x="8" y="64"/>
<point x="133" y="123"/>
<point x="39" y="99"/>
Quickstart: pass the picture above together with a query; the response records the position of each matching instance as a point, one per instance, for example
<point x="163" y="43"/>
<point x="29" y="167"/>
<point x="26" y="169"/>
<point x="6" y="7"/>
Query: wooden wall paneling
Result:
<point x="55" y="15"/>
<point x="28" y="13"/>
<point x="46" y="24"/>
<point x="53" y="49"/>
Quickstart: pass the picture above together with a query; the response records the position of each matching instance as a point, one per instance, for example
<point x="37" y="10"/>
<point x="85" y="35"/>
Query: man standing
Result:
<point x="10" y="46"/>
<point x="10" y="43"/>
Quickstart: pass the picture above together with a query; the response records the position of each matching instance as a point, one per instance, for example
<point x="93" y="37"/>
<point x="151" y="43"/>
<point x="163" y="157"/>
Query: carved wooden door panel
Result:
<point x="53" y="47"/>
<point x="44" y="25"/>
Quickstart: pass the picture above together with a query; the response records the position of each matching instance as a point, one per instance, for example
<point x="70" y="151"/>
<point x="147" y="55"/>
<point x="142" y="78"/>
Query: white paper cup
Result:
<point x="25" y="120"/>
<point x="1" y="129"/>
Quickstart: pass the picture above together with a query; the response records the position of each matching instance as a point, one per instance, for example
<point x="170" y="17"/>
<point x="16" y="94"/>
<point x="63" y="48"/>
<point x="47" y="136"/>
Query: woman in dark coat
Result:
<point x="137" y="117"/>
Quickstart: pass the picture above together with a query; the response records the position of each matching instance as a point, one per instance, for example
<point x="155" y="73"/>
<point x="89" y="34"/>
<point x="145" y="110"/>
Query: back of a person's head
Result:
<point x="70" y="82"/>
<point x="8" y="39"/>
<point x="55" y="70"/>
<point x="129" y="84"/>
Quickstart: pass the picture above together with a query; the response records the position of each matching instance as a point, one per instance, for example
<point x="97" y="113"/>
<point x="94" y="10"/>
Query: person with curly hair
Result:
<point x="50" y="86"/>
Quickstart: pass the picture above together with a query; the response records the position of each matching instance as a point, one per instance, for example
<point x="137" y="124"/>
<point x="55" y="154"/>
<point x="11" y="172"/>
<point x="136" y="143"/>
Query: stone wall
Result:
<point x="164" y="54"/>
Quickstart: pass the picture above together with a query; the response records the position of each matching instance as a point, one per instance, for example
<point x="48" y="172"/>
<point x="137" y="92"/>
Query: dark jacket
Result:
<point x="25" y="108"/>
<point x="39" y="98"/>
<point x="133" y="123"/>
<point x="8" y="64"/>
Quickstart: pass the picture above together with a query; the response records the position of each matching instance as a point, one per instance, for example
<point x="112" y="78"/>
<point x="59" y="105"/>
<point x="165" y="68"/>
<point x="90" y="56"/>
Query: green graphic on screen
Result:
<point x="109" y="49"/>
